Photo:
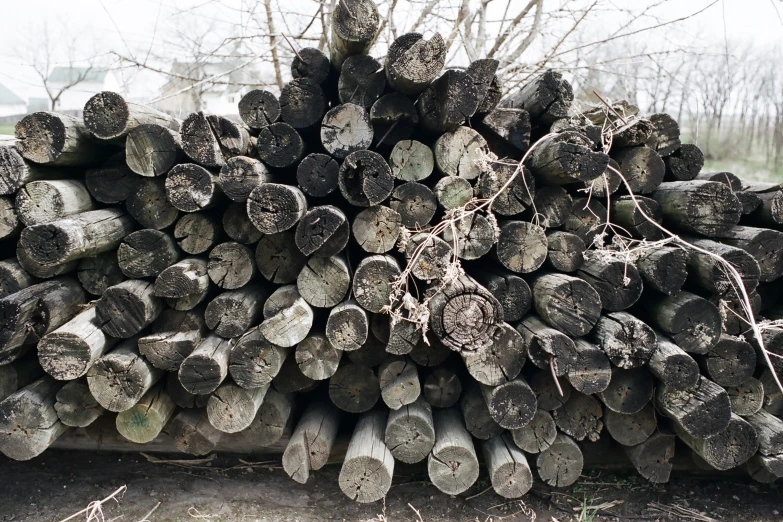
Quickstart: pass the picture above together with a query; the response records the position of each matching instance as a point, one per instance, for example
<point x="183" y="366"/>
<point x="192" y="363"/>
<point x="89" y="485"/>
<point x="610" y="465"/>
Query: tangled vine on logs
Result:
<point x="396" y="256"/>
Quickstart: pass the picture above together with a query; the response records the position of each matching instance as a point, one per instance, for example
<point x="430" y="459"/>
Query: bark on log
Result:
<point x="729" y="448"/>
<point x="18" y="374"/>
<point x="127" y="308"/>
<point x="710" y="274"/>
<point x="705" y="207"/>
<point x="693" y="323"/>
<point x="672" y="366"/>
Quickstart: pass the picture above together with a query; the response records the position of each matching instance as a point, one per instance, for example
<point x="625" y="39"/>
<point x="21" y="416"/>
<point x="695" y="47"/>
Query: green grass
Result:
<point x="7" y="128"/>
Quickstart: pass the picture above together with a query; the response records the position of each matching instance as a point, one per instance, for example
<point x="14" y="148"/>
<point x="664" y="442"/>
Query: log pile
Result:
<point x="396" y="253"/>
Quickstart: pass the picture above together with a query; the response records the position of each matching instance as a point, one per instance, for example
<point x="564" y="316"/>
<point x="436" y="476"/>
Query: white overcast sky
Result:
<point x="115" y="24"/>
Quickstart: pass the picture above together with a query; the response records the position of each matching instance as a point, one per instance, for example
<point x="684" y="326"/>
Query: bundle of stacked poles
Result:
<point x="395" y="253"/>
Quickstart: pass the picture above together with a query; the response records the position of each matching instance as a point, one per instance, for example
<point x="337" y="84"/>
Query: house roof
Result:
<point x="232" y="79"/>
<point x="71" y="74"/>
<point x="7" y="97"/>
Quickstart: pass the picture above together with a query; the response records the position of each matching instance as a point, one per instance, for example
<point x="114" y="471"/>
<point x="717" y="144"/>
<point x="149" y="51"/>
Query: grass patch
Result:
<point x="750" y="169"/>
<point x="7" y="128"/>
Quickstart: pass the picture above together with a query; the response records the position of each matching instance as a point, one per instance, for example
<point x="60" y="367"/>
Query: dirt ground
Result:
<point x="60" y="483"/>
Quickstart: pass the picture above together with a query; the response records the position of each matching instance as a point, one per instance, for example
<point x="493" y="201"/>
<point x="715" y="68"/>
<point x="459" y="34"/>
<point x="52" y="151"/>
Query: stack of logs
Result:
<point x="209" y="280"/>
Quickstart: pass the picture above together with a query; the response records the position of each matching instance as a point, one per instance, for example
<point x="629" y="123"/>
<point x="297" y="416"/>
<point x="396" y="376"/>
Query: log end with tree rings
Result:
<point x="516" y="195"/>
<point x="317" y="175"/>
<point x="362" y="81"/>
<point x="259" y="108"/>
<point x="346" y="129"/>
<point x="465" y="316"/>
<point x="354" y="24"/>
<point x="274" y="208"/>
<point x="312" y="64"/>
<point x="458" y="153"/>
<point x="279" y="145"/>
<point x="412" y="62"/>
<point x="302" y="103"/>
<point x="365" y="178"/>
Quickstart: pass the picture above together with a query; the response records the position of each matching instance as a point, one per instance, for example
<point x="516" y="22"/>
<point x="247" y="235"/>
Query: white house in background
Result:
<point x="184" y="93"/>
<point x="93" y="81"/>
<point x="10" y="103"/>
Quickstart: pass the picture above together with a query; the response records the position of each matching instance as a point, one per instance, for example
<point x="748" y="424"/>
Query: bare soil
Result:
<point x="60" y="483"/>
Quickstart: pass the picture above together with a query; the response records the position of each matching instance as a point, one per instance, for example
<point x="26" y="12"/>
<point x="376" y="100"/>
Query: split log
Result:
<point x="452" y="465"/>
<point x="324" y="281"/>
<point x="83" y="235"/>
<point x="254" y="361"/>
<point x="69" y="351"/>
<point x="565" y="251"/>
<point x="685" y="163"/>
<point x="152" y="149"/>
<point x="561" y="463"/>
<point x="410" y="432"/>
<point x="231" y="265"/>
<point x="768" y="212"/>
<point x="44" y="201"/>
<point x="693" y="323"/>
<point x="465" y="316"/>
<point x="119" y="379"/>
<point x="372" y="282"/>
<point x="302" y="105"/>
<point x="288" y="318"/>
<point x="280" y="145"/>
<point x="442" y="387"/>
<point x="652" y="457"/>
<point x="127" y="308"/>
<point x="729" y="448"/>
<point x="259" y="108"/>
<point x="185" y="284"/>
<point x="14" y="278"/>
<point x="354" y="24"/>
<point x="210" y="140"/>
<point x="729" y="362"/>
<point x="672" y="366"/>
<point x="144" y="421"/>
<point x="501" y="361"/>
<point x="546" y="347"/>
<point x="56" y="139"/>
<point x="702" y="411"/>
<point x="231" y="313"/>
<point x="394" y="118"/>
<point x="765" y="245"/>
<point x="587" y="219"/>
<point x="508" y="129"/>
<point x="580" y="417"/>
<point x="274" y="208"/>
<point x="15" y="172"/>
<point x="146" y="253"/>
<point x="629" y="390"/>
<point x="457" y="153"/>
<point x="272" y="419"/>
<point x="240" y="175"/>
<point x="617" y="282"/>
<point x="311" y="443"/>
<point x="278" y="259"/>
<point x="98" y="273"/>
<point x="147" y="204"/>
<point x="206" y="367"/>
<point x="453" y="192"/>
<point x="747" y="398"/>
<point x="317" y="358"/>
<point x="449" y="101"/>
<point x="627" y="341"/>
<point x="377" y="228"/>
<point x="567" y="303"/>
<point x="538" y="435"/>
<point x="112" y="183"/>
<point x="546" y="97"/>
<point x="566" y="158"/>
<point x="354" y="388"/>
<point x="368" y="467"/>
<point x="511" y="290"/>
<point x="509" y="471"/>
<point x="592" y="371"/>
<point x="191" y="188"/>
<point x="317" y="175"/>
<point x="365" y="179"/>
<point x="174" y="336"/>
<point x="108" y="116"/>
<point x="75" y="406"/>
<point x="28" y="420"/>
<point x="232" y="409"/>
<point x="665" y="138"/>
<point x="663" y="269"/>
<point x="323" y="231"/>
<point x="412" y="62"/>
<point x="399" y="382"/>
<point x="346" y="129"/>
<point x="428" y="256"/>
<point x="192" y="433"/>
<point x="362" y="81"/>
<point x="28" y="315"/>
<point x="197" y="232"/>
<point x="475" y="411"/>
<point x="704" y="207"/>
<point x="347" y="326"/>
